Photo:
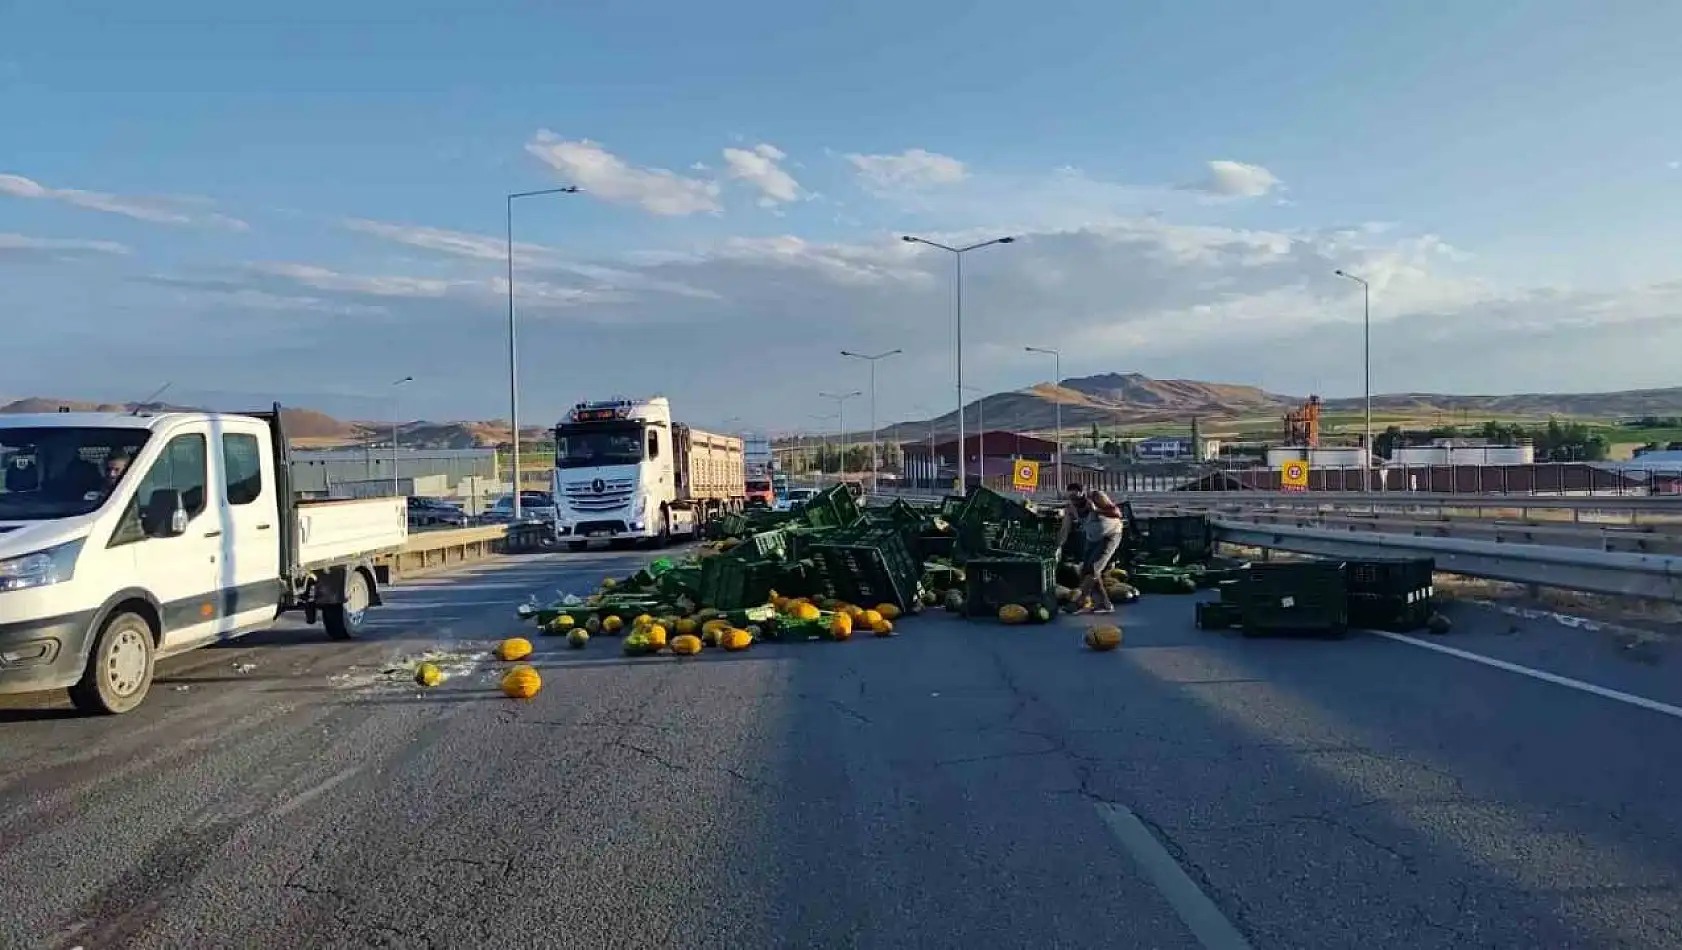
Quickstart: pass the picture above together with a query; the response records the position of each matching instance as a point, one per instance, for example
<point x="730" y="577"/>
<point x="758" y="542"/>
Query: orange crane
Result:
<point x="1302" y="425"/>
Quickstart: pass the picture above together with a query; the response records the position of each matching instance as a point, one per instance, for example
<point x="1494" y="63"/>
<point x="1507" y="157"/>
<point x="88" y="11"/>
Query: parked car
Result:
<point x="425" y="512"/>
<point x="534" y="506"/>
<point x="794" y="497"/>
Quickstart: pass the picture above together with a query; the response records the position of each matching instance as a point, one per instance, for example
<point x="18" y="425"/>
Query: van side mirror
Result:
<point x="164" y="517"/>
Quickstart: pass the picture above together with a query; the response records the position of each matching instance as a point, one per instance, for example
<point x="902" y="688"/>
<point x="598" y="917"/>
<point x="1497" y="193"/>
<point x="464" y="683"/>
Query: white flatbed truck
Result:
<point x="127" y="538"/>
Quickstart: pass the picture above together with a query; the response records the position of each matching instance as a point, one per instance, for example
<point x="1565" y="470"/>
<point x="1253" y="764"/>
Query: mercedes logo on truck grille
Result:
<point x="598" y="486"/>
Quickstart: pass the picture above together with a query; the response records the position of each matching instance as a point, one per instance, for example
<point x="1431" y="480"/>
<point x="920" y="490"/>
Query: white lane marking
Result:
<point x="305" y="797"/>
<point x="1554" y="678"/>
<point x="1195" y="909"/>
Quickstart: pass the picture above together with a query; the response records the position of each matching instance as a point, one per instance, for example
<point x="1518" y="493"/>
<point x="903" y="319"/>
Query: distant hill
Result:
<point x="1132" y="399"/>
<point x="312" y="429"/>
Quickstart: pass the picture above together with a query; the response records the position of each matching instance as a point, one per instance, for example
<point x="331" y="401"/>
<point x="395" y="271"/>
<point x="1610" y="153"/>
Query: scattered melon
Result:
<point x="522" y="682"/>
<point x="1013" y="613"/>
<point x="656" y="636"/>
<point x="428" y="674"/>
<point x="513" y="648"/>
<point x="564" y="623"/>
<point x="806" y="611"/>
<point x="609" y="583"/>
<point x="686" y="644"/>
<point x="883" y="629"/>
<point x="1103" y="638"/>
<point x="579" y="638"/>
<point x="636" y="645"/>
<point x="841" y="624"/>
<point x="888" y="611"/>
<point x="1040" y="614"/>
<point x="870" y="618"/>
<point x="737" y="639"/>
<point x="685" y="627"/>
<point x="955" y="601"/>
<point x="930" y="598"/>
<point x="642" y="620"/>
<point x="1438" y="624"/>
<point x="612" y="624"/>
<point x="593" y="626"/>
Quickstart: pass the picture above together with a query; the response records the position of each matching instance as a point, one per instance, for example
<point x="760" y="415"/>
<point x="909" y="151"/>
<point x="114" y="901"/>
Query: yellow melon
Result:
<point x="513" y="648"/>
<point x="737" y="639"/>
<point x="685" y="627"/>
<point x="883" y="629"/>
<point x="1013" y="613"/>
<point x="806" y="611"/>
<point x="1103" y="638"/>
<point x="428" y="674"/>
<point x="656" y="635"/>
<point x="522" y="682"/>
<point x="686" y="644"/>
<point x="888" y="611"/>
<point x="840" y="626"/>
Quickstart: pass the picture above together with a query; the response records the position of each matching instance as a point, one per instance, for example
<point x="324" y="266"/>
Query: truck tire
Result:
<point x="344" y="621"/>
<point x="664" y="538"/>
<point x="119" y="671"/>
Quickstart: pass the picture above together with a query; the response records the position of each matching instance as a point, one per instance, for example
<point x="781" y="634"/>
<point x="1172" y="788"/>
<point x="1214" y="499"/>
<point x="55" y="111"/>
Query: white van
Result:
<point x="128" y="538"/>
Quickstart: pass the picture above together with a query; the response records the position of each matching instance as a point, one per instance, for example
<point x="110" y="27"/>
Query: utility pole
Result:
<point x="875" y="462"/>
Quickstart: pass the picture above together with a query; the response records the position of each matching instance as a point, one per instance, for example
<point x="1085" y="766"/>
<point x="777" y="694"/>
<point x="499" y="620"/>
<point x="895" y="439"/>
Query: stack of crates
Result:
<point x="983" y="519"/>
<point x="993" y="582"/>
<point x="1179" y="538"/>
<point x="1390" y="593"/>
<point x="1292" y="597"/>
<point x="834" y="507"/>
<point x="1026" y="540"/>
<point x="868" y="568"/>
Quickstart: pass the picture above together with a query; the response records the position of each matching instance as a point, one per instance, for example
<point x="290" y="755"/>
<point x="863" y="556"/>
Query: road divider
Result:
<point x="432" y="550"/>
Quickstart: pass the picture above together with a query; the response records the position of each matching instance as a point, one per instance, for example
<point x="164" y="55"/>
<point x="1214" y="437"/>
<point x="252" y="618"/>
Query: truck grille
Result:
<point x="600" y="495"/>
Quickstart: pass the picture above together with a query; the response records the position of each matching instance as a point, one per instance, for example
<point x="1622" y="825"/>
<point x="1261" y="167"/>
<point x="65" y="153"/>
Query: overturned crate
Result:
<point x="1292" y="597"/>
<point x="869" y="568"/>
<point x="993" y="582"/>
<point x="1392" y="594"/>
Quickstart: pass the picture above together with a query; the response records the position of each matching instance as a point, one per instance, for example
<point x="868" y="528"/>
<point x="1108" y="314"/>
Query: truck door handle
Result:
<point x="213" y="534"/>
<point x="262" y="527"/>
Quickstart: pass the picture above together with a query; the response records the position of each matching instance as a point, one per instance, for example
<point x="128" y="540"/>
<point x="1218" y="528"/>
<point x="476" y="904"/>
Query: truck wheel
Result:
<point x="664" y="538"/>
<point x="344" y="621"/>
<point x="119" y="670"/>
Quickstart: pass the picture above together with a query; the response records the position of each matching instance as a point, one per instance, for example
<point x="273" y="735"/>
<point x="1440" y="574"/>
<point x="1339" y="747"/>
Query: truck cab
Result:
<point x="624" y="471"/>
<point x="127" y="538"/>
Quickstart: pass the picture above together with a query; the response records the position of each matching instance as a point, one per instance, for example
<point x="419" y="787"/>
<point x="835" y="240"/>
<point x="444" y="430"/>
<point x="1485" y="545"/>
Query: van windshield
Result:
<point x="49" y="472"/>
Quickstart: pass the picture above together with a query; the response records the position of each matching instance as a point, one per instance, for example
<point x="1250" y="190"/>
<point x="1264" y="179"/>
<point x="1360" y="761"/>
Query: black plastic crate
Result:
<point x="1388" y="612"/>
<point x="762" y="546"/>
<point x="1293" y="597"/>
<point x="991" y="583"/>
<point x="873" y="569"/>
<point x="1390" y="577"/>
<point x="1215" y="615"/>
<point x="926" y="547"/>
<point x="1191" y="537"/>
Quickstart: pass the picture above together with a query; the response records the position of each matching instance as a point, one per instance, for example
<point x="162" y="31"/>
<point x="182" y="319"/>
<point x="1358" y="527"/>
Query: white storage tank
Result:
<point x="1335" y="457"/>
<point x="1279" y="455"/>
<point x="1500" y="455"/>
<point x="1419" y="455"/>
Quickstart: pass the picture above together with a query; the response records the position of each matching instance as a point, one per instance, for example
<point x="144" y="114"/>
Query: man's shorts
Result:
<point x="1099" y="551"/>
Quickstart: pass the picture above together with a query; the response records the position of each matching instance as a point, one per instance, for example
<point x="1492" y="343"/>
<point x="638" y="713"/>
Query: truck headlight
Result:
<point x="41" y="568"/>
<point x="640" y="506"/>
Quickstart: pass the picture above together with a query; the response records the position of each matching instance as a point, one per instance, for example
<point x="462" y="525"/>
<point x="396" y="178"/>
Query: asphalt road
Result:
<point x="960" y="785"/>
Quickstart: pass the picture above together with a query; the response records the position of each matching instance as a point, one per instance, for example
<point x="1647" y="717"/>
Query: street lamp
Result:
<point x="395" y="490"/>
<point x="1057" y="371"/>
<point x="823" y="444"/>
<point x="958" y="258"/>
<point x="1366" y="348"/>
<point x="980" y="429"/>
<point x="513" y="347"/>
<point x="875" y="465"/>
<point x="841" y="428"/>
<point x="934" y="463"/>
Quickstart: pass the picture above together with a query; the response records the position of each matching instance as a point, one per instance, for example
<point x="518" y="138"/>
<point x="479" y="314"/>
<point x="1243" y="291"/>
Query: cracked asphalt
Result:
<point x="942" y="788"/>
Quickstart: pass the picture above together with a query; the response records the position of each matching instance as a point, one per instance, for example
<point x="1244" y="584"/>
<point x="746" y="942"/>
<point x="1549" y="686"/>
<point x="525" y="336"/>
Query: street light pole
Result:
<point x="875" y="463"/>
<point x="823" y="447"/>
<point x="395" y="490"/>
<point x="841" y="429"/>
<point x="958" y="271"/>
<point x="1057" y="370"/>
<point x="1366" y="348"/>
<point x="513" y="346"/>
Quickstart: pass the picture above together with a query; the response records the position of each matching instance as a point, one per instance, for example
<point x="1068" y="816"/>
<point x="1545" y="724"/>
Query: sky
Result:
<point x="307" y="202"/>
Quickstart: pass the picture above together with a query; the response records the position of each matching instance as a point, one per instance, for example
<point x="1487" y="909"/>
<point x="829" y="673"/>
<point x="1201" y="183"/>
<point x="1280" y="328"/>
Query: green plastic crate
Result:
<point x="871" y="569"/>
<point x="728" y="583"/>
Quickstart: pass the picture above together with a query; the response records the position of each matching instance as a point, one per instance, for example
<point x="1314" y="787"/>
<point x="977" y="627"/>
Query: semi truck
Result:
<point x="625" y="472"/>
<point x="126" y="538"/>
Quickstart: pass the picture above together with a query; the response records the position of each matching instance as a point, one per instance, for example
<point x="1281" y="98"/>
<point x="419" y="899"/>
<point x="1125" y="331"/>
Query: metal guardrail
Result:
<point x="1653" y="576"/>
<point x="430" y="550"/>
<point x="1628" y="539"/>
<point x="1422" y="501"/>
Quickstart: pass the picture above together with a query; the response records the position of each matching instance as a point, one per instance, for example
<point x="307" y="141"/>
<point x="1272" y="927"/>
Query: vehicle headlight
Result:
<point x="641" y="505"/>
<point x="52" y="566"/>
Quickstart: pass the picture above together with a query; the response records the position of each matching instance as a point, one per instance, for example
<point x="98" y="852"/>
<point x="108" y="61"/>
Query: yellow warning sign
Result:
<point x="1026" y="476"/>
<point x="1294" y="476"/>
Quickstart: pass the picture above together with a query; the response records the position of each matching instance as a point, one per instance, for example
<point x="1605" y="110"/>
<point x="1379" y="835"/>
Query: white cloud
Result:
<point x="910" y="169"/>
<point x="22" y="245"/>
<point x="604" y="175"/>
<point x="158" y="210"/>
<point x="760" y="168"/>
<point x="1673" y="166"/>
<point x="1228" y="179"/>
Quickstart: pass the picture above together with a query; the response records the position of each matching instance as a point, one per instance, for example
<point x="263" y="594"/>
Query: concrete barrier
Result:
<point x="432" y="550"/>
